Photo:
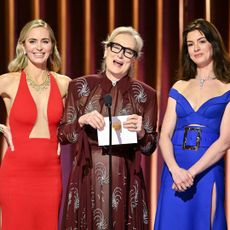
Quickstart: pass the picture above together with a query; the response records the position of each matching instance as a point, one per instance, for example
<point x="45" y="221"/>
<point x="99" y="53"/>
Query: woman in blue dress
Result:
<point x="195" y="135"/>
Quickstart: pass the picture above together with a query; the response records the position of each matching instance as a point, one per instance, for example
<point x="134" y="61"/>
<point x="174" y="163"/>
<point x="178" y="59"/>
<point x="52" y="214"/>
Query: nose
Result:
<point x="196" y="47"/>
<point x="121" y="53"/>
<point x="39" y="46"/>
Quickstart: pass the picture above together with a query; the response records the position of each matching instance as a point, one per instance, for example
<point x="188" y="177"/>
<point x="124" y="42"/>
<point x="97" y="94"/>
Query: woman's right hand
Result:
<point x="182" y="179"/>
<point x="8" y="136"/>
<point x="94" y="119"/>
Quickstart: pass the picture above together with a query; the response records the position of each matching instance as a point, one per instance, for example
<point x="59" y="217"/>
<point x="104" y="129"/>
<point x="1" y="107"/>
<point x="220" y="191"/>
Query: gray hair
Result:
<point x="124" y="30"/>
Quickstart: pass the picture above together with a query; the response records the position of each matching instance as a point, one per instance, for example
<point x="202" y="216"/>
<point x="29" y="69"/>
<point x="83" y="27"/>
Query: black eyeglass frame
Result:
<point x="122" y="48"/>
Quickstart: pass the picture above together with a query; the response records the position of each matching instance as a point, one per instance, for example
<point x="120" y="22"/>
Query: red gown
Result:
<point x="30" y="177"/>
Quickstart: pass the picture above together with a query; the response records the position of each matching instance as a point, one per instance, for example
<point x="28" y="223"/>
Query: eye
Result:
<point x="189" y="44"/>
<point x="46" y="41"/>
<point x="129" y="51"/>
<point x="203" y="41"/>
<point x="116" y="47"/>
<point x="32" y="41"/>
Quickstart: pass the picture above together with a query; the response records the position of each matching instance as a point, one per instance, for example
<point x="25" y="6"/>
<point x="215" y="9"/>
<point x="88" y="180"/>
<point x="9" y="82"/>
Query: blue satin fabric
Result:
<point x="191" y="210"/>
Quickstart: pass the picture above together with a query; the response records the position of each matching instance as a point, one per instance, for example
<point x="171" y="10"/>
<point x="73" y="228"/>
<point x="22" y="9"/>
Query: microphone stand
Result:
<point x="110" y="171"/>
<point x="108" y="103"/>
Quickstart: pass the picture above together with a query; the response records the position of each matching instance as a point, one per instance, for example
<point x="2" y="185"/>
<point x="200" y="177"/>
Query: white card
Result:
<point x="120" y="135"/>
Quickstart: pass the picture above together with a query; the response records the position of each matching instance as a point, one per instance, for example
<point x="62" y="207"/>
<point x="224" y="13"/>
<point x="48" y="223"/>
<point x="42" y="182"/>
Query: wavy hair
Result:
<point x="221" y="59"/>
<point x="21" y="60"/>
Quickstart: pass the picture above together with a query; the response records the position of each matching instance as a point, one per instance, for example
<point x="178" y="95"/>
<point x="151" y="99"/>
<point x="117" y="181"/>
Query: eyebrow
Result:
<point x="197" y="39"/>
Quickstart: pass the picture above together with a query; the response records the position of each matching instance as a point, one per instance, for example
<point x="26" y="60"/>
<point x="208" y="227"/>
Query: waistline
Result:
<point x="194" y="137"/>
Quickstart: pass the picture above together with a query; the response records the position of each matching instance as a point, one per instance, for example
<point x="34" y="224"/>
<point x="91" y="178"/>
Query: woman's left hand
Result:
<point x="134" y="124"/>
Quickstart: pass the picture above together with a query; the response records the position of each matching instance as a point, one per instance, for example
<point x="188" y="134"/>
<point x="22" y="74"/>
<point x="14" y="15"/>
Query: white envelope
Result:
<point x="120" y="135"/>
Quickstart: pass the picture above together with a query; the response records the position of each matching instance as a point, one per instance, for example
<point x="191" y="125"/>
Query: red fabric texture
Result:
<point x="30" y="177"/>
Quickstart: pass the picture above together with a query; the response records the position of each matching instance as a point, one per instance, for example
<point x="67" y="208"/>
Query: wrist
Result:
<point x="173" y="167"/>
<point x="141" y="134"/>
<point x="192" y="172"/>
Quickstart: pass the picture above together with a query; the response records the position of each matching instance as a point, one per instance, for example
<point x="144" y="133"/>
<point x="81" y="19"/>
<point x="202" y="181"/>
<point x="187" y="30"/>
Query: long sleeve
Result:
<point x="69" y="128"/>
<point x="148" y="143"/>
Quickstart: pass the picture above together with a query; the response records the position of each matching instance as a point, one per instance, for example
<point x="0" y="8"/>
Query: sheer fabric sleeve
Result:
<point x="148" y="143"/>
<point x="69" y="128"/>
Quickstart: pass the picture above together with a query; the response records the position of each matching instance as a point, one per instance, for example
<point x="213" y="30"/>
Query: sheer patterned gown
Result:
<point x="87" y="201"/>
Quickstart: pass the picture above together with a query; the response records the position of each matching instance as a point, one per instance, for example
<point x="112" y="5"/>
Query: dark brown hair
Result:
<point x="221" y="59"/>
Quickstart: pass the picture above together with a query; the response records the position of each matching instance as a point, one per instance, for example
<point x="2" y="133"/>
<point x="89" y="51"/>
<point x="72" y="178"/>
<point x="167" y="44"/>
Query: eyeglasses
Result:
<point x="117" y="48"/>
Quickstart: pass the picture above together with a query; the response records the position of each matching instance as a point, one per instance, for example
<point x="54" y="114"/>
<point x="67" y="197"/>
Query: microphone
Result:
<point x="108" y="100"/>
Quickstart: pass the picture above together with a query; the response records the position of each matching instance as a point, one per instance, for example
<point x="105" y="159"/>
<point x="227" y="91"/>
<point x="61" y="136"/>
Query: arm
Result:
<point x="7" y="83"/>
<point x="181" y="177"/>
<point x="217" y="150"/>
<point x="73" y="121"/>
<point x="147" y="136"/>
<point x="68" y="127"/>
<point x="63" y="83"/>
<point x="145" y="125"/>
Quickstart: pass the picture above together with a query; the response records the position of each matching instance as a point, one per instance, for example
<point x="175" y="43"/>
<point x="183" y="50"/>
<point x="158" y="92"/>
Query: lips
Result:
<point x="118" y="63"/>
<point x="198" y="55"/>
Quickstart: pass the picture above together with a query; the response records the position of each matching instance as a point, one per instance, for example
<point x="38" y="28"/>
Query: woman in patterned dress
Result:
<point x="87" y="199"/>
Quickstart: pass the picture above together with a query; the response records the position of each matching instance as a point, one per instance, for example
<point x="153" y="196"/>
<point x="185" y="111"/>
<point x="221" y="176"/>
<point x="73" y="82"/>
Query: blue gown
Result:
<point x="191" y="210"/>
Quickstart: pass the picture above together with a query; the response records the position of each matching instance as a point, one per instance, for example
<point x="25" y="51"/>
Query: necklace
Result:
<point x="38" y="87"/>
<point x="203" y="80"/>
<point x="114" y="82"/>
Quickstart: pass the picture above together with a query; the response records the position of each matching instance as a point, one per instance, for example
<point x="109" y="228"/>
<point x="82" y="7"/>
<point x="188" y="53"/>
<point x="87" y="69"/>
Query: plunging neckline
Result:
<point x="203" y="104"/>
<point x="36" y="109"/>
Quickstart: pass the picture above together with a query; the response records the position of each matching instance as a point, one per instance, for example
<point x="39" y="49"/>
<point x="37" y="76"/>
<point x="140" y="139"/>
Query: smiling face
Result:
<point x="199" y="48"/>
<point x="117" y="64"/>
<point x="38" y="46"/>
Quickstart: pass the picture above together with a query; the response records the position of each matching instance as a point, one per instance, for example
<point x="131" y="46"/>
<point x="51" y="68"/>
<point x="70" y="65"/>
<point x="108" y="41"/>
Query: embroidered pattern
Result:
<point x="147" y="125"/>
<point x="139" y="93"/>
<point x="117" y="196"/>
<point x="72" y="137"/>
<point x="73" y="197"/>
<point x="100" y="220"/>
<point x="82" y="87"/>
<point x="71" y="115"/>
<point x="134" y="193"/>
<point x="93" y="104"/>
<point x="101" y="173"/>
<point x="145" y="213"/>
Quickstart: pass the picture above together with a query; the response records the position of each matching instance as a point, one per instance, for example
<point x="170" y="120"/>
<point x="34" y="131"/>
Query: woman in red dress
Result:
<point x="33" y="93"/>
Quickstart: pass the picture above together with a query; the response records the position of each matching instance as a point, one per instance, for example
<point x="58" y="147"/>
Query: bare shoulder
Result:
<point x="63" y="82"/>
<point x="62" y="79"/>
<point x="9" y="77"/>
<point x="181" y="85"/>
<point x="9" y="82"/>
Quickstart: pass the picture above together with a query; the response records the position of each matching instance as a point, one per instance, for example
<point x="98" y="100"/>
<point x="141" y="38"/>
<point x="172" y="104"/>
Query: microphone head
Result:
<point x="108" y="100"/>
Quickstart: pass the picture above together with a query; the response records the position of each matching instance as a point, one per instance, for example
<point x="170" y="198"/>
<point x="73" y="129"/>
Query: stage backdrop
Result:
<point x="80" y="27"/>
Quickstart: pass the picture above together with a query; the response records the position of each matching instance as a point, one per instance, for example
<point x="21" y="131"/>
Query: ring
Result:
<point x="1" y="130"/>
<point x="135" y="127"/>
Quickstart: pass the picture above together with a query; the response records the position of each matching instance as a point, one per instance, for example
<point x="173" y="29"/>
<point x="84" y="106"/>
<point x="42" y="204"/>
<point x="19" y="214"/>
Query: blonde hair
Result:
<point x="21" y="60"/>
<point x="124" y="30"/>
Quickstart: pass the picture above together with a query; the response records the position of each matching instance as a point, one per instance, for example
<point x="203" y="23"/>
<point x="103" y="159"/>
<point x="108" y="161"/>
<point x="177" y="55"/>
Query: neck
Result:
<point x="37" y="75"/>
<point x="203" y="79"/>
